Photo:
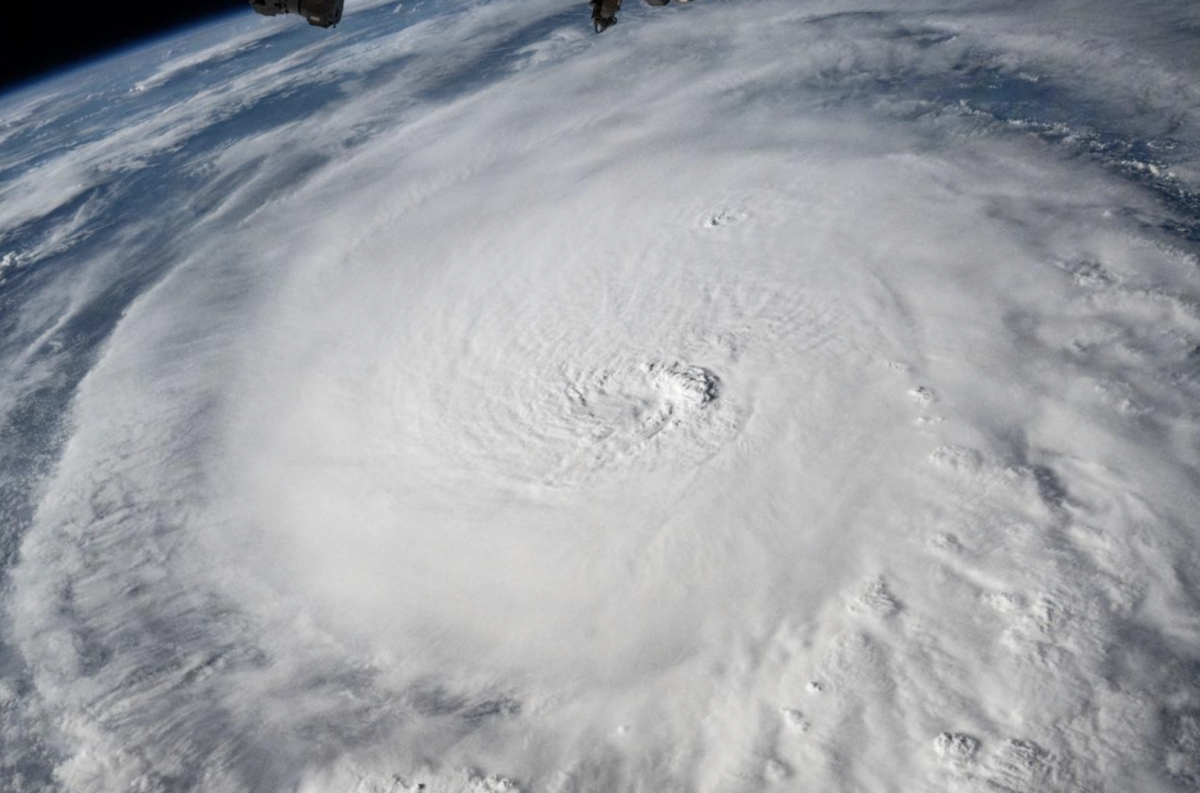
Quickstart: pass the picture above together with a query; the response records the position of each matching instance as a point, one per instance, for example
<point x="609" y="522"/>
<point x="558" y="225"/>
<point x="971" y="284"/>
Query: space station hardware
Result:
<point x="323" y="13"/>
<point x="604" y="12"/>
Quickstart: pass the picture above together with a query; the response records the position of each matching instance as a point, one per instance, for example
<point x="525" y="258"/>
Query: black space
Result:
<point x="40" y="38"/>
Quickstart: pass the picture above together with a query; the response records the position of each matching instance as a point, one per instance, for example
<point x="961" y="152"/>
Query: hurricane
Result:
<point x="763" y="395"/>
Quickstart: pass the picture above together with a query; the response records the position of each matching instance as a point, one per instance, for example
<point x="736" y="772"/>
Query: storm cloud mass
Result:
<point x="763" y="395"/>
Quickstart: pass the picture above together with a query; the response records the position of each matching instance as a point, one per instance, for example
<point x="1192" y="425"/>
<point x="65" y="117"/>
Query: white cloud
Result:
<point x="543" y="407"/>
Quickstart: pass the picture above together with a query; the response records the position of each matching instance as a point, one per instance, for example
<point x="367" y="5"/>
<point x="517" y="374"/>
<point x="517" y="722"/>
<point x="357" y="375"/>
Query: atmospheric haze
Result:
<point x="764" y="395"/>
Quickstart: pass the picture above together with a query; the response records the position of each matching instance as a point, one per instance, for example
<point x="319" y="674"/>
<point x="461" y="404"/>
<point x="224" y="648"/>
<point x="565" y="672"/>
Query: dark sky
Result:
<point x="48" y="36"/>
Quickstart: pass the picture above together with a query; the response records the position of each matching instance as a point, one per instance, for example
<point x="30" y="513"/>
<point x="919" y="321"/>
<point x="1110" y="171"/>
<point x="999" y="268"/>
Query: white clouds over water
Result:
<point x="758" y="395"/>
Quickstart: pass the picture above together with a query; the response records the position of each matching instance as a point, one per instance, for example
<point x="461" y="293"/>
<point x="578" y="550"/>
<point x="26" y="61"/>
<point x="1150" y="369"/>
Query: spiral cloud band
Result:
<point x="763" y="395"/>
